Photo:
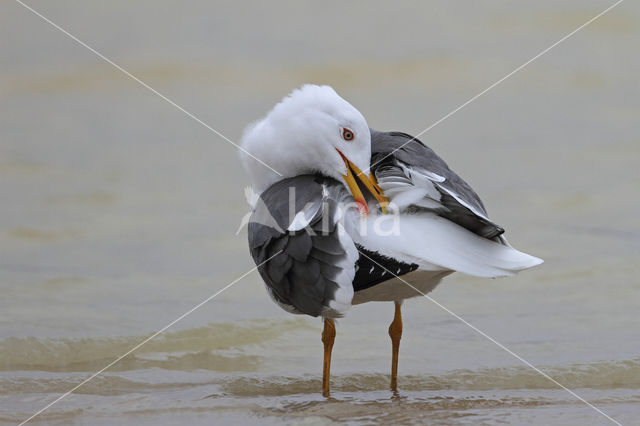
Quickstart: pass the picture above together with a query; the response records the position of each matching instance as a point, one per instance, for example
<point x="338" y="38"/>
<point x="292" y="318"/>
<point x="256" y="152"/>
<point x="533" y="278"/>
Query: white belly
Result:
<point x="395" y="290"/>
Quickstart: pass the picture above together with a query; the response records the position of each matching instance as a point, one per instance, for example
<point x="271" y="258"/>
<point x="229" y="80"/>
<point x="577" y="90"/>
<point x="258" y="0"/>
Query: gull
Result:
<point x="343" y="211"/>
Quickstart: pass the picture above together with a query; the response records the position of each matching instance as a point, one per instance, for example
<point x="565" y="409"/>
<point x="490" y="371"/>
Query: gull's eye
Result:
<point x="347" y="134"/>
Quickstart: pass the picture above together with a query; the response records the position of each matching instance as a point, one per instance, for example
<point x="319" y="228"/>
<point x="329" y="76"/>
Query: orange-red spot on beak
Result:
<point x="363" y="209"/>
<point x="370" y="184"/>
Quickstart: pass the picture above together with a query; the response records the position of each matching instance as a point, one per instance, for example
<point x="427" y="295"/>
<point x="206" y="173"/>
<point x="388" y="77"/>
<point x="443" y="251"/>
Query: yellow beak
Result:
<point x="369" y="183"/>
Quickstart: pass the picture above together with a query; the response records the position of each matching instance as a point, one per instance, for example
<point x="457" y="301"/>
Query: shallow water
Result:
<point x="119" y="213"/>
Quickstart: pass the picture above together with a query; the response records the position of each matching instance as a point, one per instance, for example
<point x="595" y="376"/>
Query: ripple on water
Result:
<point x="218" y="347"/>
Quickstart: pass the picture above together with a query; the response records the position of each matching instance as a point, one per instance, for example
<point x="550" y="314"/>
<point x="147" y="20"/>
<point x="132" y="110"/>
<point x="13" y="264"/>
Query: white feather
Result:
<point x="303" y="218"/>
<point x="435" y="243"/>
<point x="414" y="188"/>
<point x="344" y="294"/>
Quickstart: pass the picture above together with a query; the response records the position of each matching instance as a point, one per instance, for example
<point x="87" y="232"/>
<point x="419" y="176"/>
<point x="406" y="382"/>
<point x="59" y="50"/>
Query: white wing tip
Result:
<point x="524" y="261"/>
<point x="532" y="261"/>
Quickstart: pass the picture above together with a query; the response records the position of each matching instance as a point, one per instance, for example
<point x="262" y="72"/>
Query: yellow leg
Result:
<point x="395" y="332"/>
<point x="328" y="336"/>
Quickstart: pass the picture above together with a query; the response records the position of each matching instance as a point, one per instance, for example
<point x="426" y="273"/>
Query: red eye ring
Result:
<point x="347" y="134"/>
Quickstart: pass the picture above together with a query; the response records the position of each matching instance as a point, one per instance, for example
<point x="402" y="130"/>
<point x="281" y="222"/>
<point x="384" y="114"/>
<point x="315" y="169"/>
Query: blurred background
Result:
<point x="119" y="212"/>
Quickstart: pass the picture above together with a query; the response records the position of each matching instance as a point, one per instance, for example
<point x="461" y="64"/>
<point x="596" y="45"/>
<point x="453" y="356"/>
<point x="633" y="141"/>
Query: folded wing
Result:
<point x="312" y="260"/>
<point x="414" y="177"/>
<point x="443" y="224"/>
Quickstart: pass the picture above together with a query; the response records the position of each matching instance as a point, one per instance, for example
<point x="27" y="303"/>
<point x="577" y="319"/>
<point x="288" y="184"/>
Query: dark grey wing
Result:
<point x="311" y="267"/>
<point x="415" y="177"/>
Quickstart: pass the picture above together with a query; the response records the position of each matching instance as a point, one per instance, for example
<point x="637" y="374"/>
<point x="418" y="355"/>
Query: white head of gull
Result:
<point x="313" y="130"/>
